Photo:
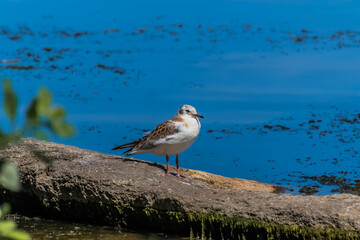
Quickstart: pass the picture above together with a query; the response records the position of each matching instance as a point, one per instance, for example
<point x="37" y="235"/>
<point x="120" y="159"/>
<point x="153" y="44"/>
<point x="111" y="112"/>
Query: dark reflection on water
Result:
<point x="41" y="229"/>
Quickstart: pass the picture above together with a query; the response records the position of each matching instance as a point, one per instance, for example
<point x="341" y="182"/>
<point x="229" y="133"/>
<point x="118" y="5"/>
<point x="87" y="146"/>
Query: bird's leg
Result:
<point x="177" y="166"/>
<point x="167" y="165"/>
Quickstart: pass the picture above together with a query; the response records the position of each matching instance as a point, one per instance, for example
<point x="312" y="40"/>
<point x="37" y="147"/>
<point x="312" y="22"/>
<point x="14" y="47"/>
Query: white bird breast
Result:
<point x="178" y="142"/>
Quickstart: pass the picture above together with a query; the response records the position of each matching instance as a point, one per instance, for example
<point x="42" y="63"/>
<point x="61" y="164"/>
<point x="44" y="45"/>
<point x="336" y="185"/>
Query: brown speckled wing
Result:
<point x="161" y="131"/>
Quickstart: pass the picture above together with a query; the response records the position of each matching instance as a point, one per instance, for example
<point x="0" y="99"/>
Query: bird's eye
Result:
<point x="187" y="110"/>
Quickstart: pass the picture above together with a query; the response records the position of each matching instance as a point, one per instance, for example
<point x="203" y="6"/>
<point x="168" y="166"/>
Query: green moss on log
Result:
<point x="218" y="226"/>
<point x="176" y="221"/>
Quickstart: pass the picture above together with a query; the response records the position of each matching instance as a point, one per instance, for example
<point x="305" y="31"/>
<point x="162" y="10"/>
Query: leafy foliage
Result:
<point x="41" y="114"/>
<point x="41" y="119"/>
<point x="9" y="231"/>
<point x="10" y="99"/>
<point x="9" y="176"/>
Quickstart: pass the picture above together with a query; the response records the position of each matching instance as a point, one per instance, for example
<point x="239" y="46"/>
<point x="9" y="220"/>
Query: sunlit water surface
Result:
<point x="277" y="81"/>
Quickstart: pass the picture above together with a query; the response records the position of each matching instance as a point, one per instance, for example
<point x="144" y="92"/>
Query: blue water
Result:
<point x="242" y="64"/>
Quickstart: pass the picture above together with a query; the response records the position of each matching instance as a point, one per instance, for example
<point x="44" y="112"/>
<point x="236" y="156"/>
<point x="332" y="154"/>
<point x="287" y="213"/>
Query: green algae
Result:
<point x="218" y="226"/>
<point x="179" y="221"/>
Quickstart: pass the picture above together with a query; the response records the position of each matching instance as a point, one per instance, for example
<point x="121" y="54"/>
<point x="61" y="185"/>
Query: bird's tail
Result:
<point x="129" y="145"/>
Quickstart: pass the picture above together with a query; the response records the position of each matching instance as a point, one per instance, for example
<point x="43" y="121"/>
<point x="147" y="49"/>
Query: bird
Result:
<point x="168" y="138"/>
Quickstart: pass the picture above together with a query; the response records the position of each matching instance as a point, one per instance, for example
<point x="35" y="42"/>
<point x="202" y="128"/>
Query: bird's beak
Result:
<point x="198" y="115"/>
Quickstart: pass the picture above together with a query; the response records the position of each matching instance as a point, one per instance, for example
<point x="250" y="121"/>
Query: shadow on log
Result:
<point x="68" y="183"/>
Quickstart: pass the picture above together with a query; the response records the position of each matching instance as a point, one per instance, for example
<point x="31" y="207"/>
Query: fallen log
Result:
<point x="69" y="183"/>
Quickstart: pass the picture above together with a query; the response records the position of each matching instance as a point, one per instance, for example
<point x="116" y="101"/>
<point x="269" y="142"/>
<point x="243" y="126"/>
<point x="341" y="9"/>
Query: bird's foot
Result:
<point x="183" y="178"/>
<point x="178" y="176"/>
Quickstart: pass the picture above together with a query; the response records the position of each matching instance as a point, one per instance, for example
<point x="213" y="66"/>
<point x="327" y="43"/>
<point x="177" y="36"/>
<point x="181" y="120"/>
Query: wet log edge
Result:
<point x="173" y="216"/>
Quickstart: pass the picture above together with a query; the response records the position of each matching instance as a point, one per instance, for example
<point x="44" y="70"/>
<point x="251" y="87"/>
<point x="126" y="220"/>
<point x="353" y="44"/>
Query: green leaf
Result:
<point x="4" y="210"/>
<point x="10" y="99"/>
<point x="57" y="113"/>
<point x="43" y="102"/>
<point x="9" y="231"/>
<point x="14" y="136"/>
<point x="3" y="139"/>
<point x="7" y="227"/>
<point x="62" y="129"/>
<point x="32" y="117"/>
<point x="9" y="176"/>
<point x="18" y="235"/>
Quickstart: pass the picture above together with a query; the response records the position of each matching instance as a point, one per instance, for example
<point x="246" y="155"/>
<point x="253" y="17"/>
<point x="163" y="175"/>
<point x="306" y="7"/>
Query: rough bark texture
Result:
<point x="69" y="183"/>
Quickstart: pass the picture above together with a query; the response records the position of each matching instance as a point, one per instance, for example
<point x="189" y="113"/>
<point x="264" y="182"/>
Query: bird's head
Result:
<point x="187" y="110"/>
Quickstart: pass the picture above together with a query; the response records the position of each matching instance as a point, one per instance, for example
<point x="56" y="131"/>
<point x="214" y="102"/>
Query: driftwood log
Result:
<point x="69" y="183"/>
